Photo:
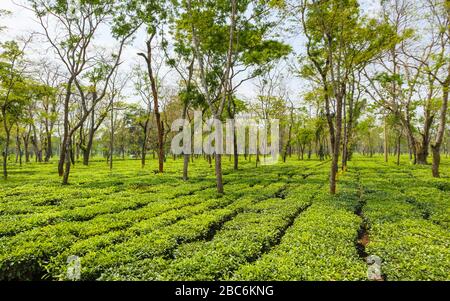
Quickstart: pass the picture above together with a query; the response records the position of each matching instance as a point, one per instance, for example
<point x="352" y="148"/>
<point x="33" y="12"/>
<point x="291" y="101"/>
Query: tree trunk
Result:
<point x="436" y="161"/>
<point x="88" y="148"/>
<point x="19" y="148"/>
<point x="65" y="140"/>
<point x="422" y="155"/>
<point x="436" y="147"/>
<point x="422" y="148"/>
<point x="111" y="141"/>
<point x="336" y="146"/>
<point x="145" y="129"/>
<point x="160" y="139"/>
<point x="143" y="151"/>
<point x="67" y="160"/>
<point x="345" y="140"/>
<point x="410" y="150"/>
<point x="235" y="150"/>
<point x="48" y="151"/>
<point x="386" y="145"/>
<point x="26" y="147"/>
<point x="344" y="152"/>
<point x="154" y="91"/>
<point x="219" y="181"/>
<point x="6" y="153"/>
<point x="399" y="140"/>
<point x="72" y="153"/>
<point x="185" y="167"/>
<point x="288" y="143"/>
<point x="186" y="156"/>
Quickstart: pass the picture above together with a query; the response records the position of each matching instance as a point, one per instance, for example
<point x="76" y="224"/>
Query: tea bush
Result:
<point x="274" y="222"/>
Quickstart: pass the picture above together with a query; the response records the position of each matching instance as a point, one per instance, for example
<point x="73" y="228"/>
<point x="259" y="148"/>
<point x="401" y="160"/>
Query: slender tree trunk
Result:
<point x="185" y="156"/>
<point x="35" y="143"/>
<point x="111" y="141"/>
<point x="145" y="129"/>
<point x="80" y="146"/>
<point x="88" y="148"/>
<point x="345" y="140"/>
<point x="345" y="150"/>
<point x="67" y="160"/>
<point x="288" y="143"/>
<point x="410" y="149"/>
<point x="412" y="140"/>
<point x="26" y="147"/>
<point x="6" y="153"/>
<point x="72" y="153"/>
<point x="19" y="148"/>
<point x="336" y="146"/>
<point x="185" y="167"/>
<point x="235" y="151"/>
<point x="154" y="91"/>
<point x="436" y="147"/>
<point x="144" y="150"/>
<point x="386" y="143"/>
<point x="257" y="160"/>
<point x="334" y="134"/>
<point x="48" y="151"/>
<point x="65" y="145"/>
<point x="37" y="151"/>
<point x="219" y="181"/>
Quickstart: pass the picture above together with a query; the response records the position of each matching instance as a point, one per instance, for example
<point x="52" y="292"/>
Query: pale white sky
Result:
<point x="23" y="21"/>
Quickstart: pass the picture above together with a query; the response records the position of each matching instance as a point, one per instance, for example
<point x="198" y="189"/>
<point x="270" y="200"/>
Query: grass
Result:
<point x="273" y="223"/>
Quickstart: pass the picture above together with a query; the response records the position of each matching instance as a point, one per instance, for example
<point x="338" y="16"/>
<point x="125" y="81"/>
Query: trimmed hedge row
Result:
<point x="26" y="252"/>
<point x="320" y="246"/>
<point x="432" y="202"/>
<point x="408" y="225"/>
<point x="245" y="238"/>
<point x="13" y="224"/>
<point x="411" y="247"/>
<point x="158" y="238"/>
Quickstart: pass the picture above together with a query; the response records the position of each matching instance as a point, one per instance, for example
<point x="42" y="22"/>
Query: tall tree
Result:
<point x="49" y="103"/>
<point x="227" y="38"/>
<point x="152" y="16"/>
<point x="340" y="40"/>
<point x="13" y="91"/>
<point x="77" y="22"/>
<point x="439" y="69"/>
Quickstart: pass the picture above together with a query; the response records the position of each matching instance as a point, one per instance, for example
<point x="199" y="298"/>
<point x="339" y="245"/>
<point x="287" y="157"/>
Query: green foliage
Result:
<point x="15" y="88"/>
<point x="319" y="246"/>
<point x="273" y="223"/>
<point x="280" y="226"/>
<point x="408" y="221"/>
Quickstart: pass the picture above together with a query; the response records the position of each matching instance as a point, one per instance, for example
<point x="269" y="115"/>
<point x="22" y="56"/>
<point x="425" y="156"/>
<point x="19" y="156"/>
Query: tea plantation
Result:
<point x="273" y="222"/>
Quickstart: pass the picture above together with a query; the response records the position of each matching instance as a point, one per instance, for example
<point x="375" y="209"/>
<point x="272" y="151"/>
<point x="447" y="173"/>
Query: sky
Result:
<point x="21" y="22"/>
